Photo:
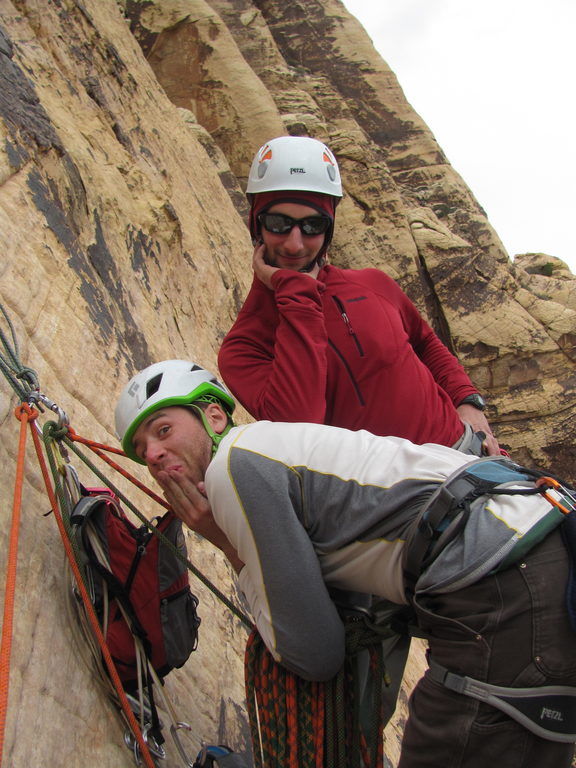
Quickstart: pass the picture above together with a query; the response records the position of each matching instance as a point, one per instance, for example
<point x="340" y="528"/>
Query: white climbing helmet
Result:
<point x="171" y="382"/>
<point x="295" y="163"/>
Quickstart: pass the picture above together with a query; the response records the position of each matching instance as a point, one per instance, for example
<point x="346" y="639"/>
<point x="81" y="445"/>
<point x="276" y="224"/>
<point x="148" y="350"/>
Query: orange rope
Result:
<point x="145" y="753"/>
<point x="25" y="414"/>
<point x="28" y="414"/>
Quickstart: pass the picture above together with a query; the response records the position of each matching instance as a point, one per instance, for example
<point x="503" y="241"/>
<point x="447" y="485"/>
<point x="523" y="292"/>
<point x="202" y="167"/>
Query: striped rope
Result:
<point x="297" y="723"/>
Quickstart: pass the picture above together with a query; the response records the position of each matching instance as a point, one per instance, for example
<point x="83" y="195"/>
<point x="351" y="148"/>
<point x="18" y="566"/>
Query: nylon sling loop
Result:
<point x="297" y="723"/>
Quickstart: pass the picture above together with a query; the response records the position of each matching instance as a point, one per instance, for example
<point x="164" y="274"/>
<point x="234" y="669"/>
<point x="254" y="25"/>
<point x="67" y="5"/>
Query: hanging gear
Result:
<point x="171" y="382"/>
<point x="137" y="580"/>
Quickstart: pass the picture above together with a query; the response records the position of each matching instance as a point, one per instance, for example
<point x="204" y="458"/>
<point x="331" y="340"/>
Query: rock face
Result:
<point x="127" y="133"/>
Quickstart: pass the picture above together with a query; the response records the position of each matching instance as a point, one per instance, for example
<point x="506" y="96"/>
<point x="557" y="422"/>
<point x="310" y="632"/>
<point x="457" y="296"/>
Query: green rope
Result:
<point x="64" y="500"/>
<point x="22" y="379"/>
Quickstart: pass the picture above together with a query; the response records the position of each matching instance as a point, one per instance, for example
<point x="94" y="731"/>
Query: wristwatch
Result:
<point x="476" y="400"/>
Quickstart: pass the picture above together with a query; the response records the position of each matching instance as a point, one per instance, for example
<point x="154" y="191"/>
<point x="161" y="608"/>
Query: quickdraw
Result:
<point x="557" y="494"/>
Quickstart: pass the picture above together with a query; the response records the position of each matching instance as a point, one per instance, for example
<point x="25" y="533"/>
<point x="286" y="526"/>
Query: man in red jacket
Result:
<point x="314" y="343"/>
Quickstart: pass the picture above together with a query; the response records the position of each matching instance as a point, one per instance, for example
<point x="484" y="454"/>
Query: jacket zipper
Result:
<point x="350" y="374"/>
<point x="348" y="325"/>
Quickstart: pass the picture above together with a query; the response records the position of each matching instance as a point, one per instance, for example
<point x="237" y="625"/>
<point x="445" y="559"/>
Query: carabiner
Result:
<point x="557" y="494"/>
<point x="156" y="750"/>
<point x="38" y="399"/>
<point x="174" y="732"/>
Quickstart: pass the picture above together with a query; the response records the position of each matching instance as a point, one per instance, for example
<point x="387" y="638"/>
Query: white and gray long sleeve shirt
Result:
<point x="309" y="506"/>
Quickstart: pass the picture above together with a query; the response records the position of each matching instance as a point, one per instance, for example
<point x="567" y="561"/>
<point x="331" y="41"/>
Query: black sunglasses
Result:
<point x="280" y="224"/>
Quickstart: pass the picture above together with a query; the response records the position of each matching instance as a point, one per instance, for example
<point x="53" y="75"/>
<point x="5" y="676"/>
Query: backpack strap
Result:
<point x="86" y="506"/>
<point x="79" y="518"/>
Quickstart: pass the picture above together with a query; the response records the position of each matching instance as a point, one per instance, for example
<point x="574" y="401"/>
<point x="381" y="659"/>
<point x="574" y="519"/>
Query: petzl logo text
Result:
<point x="551" y="714"/>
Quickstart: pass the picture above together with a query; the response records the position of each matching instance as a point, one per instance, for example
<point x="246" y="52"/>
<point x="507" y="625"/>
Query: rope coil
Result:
<point x="297" y="723"/>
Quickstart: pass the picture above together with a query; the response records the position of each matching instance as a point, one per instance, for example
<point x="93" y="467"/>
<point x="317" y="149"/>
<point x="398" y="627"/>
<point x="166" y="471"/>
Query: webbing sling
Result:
<point x="446" y="511"/>
<point x="548" y="711"/>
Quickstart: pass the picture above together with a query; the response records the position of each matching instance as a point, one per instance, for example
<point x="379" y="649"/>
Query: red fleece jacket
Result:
<point x="348" y="349"/>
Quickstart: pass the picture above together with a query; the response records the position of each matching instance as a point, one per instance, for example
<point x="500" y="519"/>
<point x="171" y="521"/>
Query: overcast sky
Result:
<point x="494" y="82"/>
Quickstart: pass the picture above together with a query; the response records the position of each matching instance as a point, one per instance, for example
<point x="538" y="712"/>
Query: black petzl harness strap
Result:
<point x="548" y="711"/>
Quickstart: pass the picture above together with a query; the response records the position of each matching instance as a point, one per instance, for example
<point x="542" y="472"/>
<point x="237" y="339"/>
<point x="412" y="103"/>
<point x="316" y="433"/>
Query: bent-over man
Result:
<point x="298" y="508"/>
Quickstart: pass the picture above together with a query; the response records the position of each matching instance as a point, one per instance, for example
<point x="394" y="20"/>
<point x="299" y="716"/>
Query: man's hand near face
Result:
<point x="189" y="503"/>
<point x="262" y="270"/>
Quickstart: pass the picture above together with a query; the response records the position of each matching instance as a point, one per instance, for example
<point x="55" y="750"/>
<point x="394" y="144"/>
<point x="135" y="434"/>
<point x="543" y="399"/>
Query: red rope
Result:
<point x="99" y="448"/>
<point x="318" y="720"/>
<point x="291" y="719"/>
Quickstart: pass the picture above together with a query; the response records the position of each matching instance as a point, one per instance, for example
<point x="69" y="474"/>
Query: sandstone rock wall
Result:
<point x="127" y="129"/>
<point x="406" y="209"/>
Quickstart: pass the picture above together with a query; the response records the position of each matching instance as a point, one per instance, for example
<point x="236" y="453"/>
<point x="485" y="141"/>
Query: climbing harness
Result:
<point x="547" y="711"/>
<point x="447" y="510"/>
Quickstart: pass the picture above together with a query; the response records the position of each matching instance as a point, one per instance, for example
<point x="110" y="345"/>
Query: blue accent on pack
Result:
<point x="498" y="471"/>
<point x="221" y="756"/>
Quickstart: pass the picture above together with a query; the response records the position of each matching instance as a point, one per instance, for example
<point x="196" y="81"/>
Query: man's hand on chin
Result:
<point x="190" y="503"/>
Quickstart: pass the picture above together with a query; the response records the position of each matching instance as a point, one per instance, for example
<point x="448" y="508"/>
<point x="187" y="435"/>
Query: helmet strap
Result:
<point x="215" y="437"/>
